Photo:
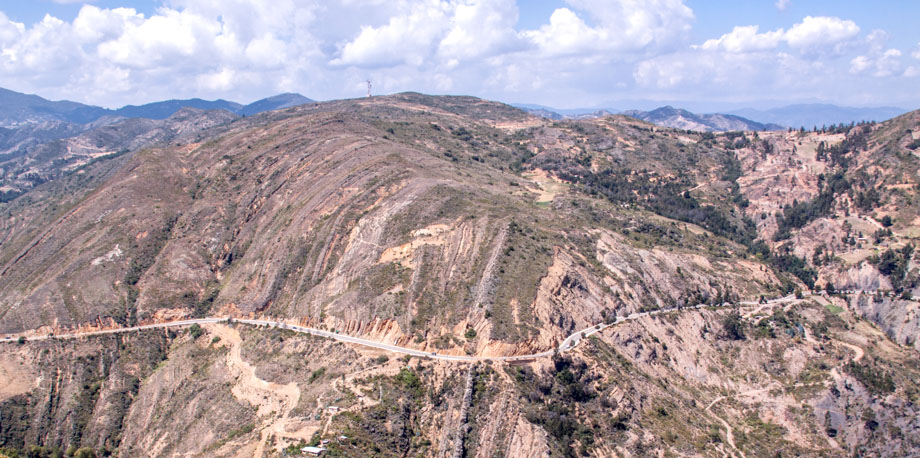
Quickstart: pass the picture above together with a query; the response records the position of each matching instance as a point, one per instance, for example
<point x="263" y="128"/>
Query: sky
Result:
<point x="705" y="55"/>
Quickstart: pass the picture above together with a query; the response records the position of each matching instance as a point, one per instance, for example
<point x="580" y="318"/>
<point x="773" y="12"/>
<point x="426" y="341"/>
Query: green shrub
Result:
<point x="874" y="378"/>
<point x="409" y="380"/>
<point x="317" y="374"/>
<point x="195" y="331"/>
<point x="85" y="452"/>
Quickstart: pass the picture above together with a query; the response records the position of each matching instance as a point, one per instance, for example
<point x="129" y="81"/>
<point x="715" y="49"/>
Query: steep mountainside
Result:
<point x="348" y="213"/>
<point x="845" y="200"/>
<point x="458" y="226"/>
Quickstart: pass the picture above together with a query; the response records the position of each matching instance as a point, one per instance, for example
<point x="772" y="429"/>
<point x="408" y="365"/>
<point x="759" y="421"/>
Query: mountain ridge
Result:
<point x="470" y="229"/>
<point x="709" y="122"/>
<point x="808" y="115"/>
<point x="811" y="115"/>
<point x="17" y="109"/>
<point x="665" y="116"/>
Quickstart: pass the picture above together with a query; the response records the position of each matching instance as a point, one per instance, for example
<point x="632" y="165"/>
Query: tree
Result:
<point x="733" y="326"/>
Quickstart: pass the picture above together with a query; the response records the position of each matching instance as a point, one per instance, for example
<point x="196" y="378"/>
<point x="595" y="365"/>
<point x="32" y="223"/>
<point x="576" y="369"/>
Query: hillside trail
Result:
<point x="756" y="311"/>
<point x="729" y="434"/>
<point x="857" y="349"/>
<point x="273" y="401"/>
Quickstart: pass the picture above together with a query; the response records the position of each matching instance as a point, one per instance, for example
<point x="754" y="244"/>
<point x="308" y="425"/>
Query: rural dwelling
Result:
<point x="314" y="451"/>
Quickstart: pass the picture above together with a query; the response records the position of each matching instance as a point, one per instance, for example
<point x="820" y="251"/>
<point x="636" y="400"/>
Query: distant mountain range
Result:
<point x="801" y="115"/>
<point x="713" y="122"/>
<point x="35" y="153"/>
<point x="17" y="109"/>
<point x="665" y="116"/>
<point x="41" y="139"/>
<point x="562" y="113"/>
<point x="817" y="115"/>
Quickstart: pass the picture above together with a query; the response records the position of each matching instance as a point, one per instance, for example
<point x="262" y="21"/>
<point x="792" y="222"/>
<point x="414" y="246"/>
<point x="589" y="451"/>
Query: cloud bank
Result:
<point x="586" y="50"/>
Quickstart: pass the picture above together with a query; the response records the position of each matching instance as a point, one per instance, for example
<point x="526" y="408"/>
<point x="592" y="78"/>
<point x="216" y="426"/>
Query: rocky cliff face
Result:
<point x="898" y="318"/>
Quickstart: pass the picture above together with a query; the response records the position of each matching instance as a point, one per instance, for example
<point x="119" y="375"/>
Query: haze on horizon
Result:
<point x="566" y="54"/>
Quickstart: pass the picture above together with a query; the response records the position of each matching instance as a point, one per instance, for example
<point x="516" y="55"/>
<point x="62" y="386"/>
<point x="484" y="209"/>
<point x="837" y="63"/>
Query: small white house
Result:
<point x="315" y="451"/>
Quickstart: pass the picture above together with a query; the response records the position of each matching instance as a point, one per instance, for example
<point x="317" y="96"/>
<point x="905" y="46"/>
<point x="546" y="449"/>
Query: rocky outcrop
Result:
<point x="899" y="318"/>
<point x="861" y="277"/>
<point x="463" y="427"/>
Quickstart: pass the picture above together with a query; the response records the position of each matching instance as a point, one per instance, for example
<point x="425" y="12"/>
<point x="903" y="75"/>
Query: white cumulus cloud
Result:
<point x="171" y="37"/>
<point x="886" y="63"/>
<point x="820" y="31"/>
<point x="185" y="47"/>
<point x="406" y="39"/>
<point x="435" y="32"/>
<point x="811" y="34"/>
<point x="745" y="39"/>
<point x="582" y="52"/>
<point x="10" y="31"/>
<point x="621" y="26"/>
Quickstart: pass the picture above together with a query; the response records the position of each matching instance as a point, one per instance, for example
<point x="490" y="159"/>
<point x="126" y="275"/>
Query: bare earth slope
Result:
<point x="394" y="217"/>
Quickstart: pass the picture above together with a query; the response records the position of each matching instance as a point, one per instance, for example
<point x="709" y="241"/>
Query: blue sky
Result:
<point x="705" y="55"/>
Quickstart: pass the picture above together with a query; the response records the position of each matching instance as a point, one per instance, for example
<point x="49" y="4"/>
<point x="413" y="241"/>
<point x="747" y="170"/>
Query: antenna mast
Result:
<point x="368" y="88"/>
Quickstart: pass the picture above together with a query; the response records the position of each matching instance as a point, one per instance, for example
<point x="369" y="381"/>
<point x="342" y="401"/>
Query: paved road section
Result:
<point x="567" y="344"/>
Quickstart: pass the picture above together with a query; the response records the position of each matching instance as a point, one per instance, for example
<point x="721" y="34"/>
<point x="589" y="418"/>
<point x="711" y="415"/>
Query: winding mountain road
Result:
<point x="567" y="344"/>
